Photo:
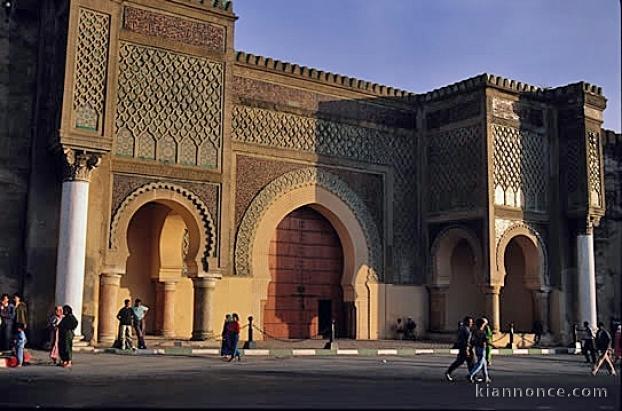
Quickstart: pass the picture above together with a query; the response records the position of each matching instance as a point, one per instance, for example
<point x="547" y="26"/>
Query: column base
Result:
<point x="107" y="340"/>
<point x="202" y="335"/>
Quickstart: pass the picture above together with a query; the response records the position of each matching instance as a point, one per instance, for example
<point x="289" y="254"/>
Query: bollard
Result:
<point x="511" y="343"/>
<point x="574" y="334"/>
<point x="331" y="344"/>
<point x="250" y="344"/>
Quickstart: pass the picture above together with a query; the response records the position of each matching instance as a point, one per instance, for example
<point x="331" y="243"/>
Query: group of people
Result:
<point x="13" y="323"/>
<point x="405" y="331"/>
<point x="131" y="318"/>
<point x="597" y="349"/>
<point x="230" y="337"/>
<point x="474" y="346"/>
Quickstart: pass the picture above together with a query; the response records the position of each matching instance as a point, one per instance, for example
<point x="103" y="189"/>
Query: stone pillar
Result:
<point x="586" y="277"/>
<point x="159" y="306"/>
<point x="71" y="251"/>
<point x="541" y="304"/>
<point x="168" y="309"/>
<point x="492" y="307"/>
<point x="203" y="324"/>
<point x="108" y="292"/>
<point x="438" y="308"/>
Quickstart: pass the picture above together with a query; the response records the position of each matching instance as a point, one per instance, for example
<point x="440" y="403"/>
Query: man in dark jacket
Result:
<point x="603" y="345"/>
<point x="126" y="322"/>
<point x="587" y="344"/>
<point x="463" y="344"/>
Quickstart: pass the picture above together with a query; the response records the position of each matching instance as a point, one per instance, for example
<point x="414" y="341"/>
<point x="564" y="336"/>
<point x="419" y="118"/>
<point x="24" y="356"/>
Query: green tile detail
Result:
<point x="406" y="351"/>
<point x="325" y="352"/>
<point x="281" y="352"/>
<point x="368" y="351"/>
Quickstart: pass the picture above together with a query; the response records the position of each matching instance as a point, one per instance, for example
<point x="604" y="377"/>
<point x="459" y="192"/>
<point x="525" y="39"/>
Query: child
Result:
<point x="20" y="343"/>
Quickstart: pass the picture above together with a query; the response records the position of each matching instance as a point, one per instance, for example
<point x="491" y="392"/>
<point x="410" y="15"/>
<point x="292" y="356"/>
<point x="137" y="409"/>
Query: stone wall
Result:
<point x="19" y="39"/>
<point x="608" y="235"/>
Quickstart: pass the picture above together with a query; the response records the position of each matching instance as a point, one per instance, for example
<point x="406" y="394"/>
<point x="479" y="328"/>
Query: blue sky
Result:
<point x="420" y="45"/>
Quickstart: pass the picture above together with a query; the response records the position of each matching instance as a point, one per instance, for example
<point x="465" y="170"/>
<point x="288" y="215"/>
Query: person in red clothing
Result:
<point x="233" y="336"/>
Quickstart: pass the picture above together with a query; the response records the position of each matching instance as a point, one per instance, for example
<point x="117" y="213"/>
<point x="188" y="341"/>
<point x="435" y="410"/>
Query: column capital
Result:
<point x="169" y="285"/>
<point x="204" y="282"/>
<point x="491" y="288"/>
<point x="78" y="165"/>
<point x="109" y="278"/>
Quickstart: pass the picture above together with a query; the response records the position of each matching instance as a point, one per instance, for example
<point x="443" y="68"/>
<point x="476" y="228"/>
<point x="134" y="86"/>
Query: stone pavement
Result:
<point x="336" y="382"/>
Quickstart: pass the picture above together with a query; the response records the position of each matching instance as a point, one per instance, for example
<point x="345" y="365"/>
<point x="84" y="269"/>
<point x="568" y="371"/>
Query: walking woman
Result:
<point x="479" y="343"/>
<point x="233" y="336"/>
<point x="54" y="322"/>
<point x="488" y="343"/>
<point x="65" y="335"/>
<point x="224" y="346"/>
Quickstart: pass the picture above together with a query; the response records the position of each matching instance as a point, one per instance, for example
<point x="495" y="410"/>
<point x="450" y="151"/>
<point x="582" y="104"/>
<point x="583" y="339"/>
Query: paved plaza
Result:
<point x="108" y="380"/>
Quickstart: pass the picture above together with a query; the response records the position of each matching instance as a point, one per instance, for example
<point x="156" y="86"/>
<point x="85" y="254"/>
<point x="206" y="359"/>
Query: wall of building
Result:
<point x="608" y="235"/>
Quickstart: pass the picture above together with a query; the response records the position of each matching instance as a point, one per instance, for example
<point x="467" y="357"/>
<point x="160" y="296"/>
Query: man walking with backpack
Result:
<point x="464" y="348"/>
<point x="603" y="344"/>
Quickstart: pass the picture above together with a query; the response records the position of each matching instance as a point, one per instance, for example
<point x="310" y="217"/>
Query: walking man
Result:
<point x="588" y="344"/>
<point x="140" y="311"/>
<point x="126" y="321"/>
<point x="463" y="344"/>
<point x="603" y="345"/>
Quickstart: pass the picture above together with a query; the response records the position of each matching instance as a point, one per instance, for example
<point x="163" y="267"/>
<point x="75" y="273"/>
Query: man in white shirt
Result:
<point x="140" y="311"/>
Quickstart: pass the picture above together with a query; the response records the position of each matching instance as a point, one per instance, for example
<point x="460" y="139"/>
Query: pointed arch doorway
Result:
<point x="306" y="267"/>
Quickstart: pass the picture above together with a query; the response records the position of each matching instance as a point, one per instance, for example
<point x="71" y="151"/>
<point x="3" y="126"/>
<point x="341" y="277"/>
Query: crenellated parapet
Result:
<point x="308" y="73"/>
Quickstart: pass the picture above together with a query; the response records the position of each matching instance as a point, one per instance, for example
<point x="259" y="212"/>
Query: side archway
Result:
<point x="335" y="201"/>
<point x="198" y="220"/>
<point x="522" y="276"/>
<point x="171" y="214"/>
<point x="456" y="277"/>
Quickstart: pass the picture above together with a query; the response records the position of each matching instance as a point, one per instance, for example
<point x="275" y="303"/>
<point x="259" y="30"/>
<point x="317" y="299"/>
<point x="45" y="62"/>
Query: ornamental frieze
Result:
<point x="195" y="33"/>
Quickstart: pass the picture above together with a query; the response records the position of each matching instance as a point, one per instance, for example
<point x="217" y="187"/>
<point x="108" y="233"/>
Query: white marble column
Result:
<point x="586" y="277"/>
<point x="72" y="236"/>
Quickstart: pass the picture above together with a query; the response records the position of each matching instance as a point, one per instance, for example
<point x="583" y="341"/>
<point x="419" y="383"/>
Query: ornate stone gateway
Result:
<point x="306" y="263"/>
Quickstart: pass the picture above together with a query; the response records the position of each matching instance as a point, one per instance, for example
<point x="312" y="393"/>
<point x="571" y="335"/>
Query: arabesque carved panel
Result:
<point x="594" y="165"/>
<point x="91" y="67"/>
<point x="520" y="168"/>
<point x="454" y="169"/>
<point x="385" y="146"/>
<point x="169" y="106"/>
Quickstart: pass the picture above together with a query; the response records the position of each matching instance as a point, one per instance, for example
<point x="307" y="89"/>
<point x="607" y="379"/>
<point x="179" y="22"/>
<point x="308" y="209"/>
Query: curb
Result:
<point x="363" y="352"/>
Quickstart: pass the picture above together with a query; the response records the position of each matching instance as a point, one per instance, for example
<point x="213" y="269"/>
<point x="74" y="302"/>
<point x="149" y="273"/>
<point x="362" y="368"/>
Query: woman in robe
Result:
<point x="65" y="335"/>
<point x="54" y="322"/>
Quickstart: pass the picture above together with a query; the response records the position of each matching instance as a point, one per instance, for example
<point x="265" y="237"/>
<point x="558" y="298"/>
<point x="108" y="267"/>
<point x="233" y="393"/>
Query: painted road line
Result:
<point x="456" y="351"/>
<point x="205" y="351"/>
<point x="347" y="352"/>
<point x="303" y="352"/>
<point x="387" y="352"/>
<point x="424" y="351"/>
<point x="256" y="352"/>
<point x="520" y="351"/>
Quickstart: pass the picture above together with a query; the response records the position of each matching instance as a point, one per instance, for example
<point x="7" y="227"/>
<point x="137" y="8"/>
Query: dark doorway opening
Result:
<point x="324" y="313"/>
